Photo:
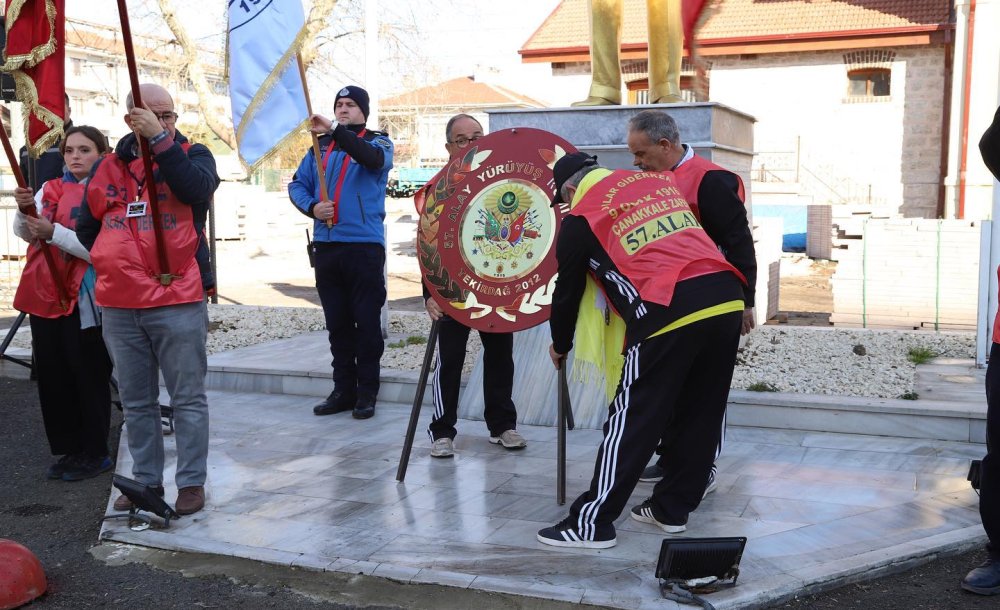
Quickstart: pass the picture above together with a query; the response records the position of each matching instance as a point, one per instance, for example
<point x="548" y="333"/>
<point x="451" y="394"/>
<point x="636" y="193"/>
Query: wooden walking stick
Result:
<point x="164" y="274"/>
<point x="324" y="194"/>
<point x="44" y="247"/>
<point x="418" y="399"/>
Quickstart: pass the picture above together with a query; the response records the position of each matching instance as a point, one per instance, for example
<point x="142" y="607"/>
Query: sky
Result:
<point x="453" y="37"/>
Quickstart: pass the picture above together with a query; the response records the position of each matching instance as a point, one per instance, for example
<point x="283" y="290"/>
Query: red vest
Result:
<point x="36" y="292"/>
<point x="650" y="232"/>
<point x="125" y="256"/>
<point x="689" y="176"/>
<point x="996" y="320"/>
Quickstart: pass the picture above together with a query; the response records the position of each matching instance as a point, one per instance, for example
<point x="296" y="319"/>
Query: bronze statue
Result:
<point x="666" y="40"/>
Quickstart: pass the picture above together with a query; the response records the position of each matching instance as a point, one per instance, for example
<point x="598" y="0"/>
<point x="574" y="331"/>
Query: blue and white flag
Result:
<point x="269" y="101"/>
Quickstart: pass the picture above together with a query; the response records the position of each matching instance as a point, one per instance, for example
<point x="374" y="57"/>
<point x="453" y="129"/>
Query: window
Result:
<point x="868" y="83"/>
<point x="77" y="66"/>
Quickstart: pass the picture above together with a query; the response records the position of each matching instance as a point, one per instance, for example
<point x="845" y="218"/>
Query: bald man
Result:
<point x="155" y="319"/>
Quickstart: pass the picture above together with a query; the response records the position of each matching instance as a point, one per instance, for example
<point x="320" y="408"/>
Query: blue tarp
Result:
<point x="795" y="219"/>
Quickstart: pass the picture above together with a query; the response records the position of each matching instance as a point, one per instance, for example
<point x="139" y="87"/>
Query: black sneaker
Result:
<point x="567" y="533"/>
<point x="365" y="407"/>
<point x="984" y="580"/>
<point x="86" y="467"/>
<point x="644" y="513"/>
<point x="337" y="402"/>
<point x="651" y="474"/>
<point x="56" y="470"/>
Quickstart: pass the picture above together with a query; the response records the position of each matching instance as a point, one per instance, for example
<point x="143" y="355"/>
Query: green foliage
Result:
<point x="411" y="340"/>
<point x="762" y="386"/>
<point x="909" y="396"/>
<point x="920" y="355"/>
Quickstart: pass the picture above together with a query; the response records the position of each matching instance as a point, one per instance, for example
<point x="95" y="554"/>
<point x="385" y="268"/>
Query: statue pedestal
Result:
<point x="716" y="132"/>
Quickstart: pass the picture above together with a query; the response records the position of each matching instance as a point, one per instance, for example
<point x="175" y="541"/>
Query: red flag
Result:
<point x="691" y="11"/>
<point x="36" y="37"/>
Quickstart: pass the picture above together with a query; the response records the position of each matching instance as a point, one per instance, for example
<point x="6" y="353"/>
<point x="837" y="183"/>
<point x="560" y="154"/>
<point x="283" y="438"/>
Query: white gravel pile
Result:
<point x="851" y="362"/>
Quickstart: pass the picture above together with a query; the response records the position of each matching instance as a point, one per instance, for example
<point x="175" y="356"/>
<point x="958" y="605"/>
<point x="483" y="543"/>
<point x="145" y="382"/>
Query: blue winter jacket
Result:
<point x="361" y="206"/>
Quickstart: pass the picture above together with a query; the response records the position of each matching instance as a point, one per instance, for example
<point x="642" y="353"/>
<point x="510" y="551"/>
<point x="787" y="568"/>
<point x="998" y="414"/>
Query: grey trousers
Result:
<point x="171" y="339"/>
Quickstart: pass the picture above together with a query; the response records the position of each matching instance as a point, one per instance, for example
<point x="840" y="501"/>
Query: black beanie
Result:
<point x="359" y="95"/>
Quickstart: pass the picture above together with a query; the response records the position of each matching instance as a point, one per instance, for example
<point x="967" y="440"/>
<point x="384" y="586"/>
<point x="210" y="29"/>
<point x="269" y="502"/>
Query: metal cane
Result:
<point x="563" y="398"/>
<point x="418" y="400"/>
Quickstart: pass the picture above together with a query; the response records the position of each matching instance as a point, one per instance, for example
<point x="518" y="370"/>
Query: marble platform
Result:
<point x="952" y="406"/>
<point x="819" y="508"/>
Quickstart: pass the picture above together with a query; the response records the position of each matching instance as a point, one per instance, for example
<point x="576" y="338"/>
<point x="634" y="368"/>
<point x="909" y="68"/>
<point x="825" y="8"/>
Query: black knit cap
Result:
<point x="566" y="167"/>
<point x="359" y="95"/>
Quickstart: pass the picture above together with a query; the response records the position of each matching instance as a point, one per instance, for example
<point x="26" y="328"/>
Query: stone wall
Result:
<point x="882" y="150"/>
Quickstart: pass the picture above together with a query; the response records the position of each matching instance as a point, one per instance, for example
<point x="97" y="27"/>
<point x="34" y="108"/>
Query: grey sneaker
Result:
<point x="443" y="448"/>
<point x="511" y="439"/>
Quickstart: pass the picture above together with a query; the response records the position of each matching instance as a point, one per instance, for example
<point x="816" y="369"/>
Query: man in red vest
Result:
<point x="985" y="579"/>
<point x="716" y="196"/>
<point x="682" y="307"/>
<point x="152" y="325"/>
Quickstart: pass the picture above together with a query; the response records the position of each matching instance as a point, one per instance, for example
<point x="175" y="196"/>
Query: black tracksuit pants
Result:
<point x="351" y="287"/>
<point x="989" y="474"/>
<point x="498" y="379"/>
<point x="74" y="375"/>
<point x="674" y="386"/>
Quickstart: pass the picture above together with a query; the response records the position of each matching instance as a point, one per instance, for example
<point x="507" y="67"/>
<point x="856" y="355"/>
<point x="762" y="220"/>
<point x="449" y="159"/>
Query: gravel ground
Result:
<point x="850" y="362"/>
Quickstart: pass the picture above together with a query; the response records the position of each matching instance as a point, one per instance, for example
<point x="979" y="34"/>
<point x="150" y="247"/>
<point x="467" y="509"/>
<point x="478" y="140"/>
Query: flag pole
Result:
<point x="147" y="159"/>
<point x="44" y="247"/>
<point x="324" y="195"/>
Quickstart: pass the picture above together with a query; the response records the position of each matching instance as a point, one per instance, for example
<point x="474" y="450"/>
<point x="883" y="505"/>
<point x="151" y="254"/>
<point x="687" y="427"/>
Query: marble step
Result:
<point x="919" y="419"/>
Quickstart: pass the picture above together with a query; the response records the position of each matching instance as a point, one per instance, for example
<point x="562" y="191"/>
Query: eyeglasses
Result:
<point x="168" y="118"/>
<point x="462" y="141"/>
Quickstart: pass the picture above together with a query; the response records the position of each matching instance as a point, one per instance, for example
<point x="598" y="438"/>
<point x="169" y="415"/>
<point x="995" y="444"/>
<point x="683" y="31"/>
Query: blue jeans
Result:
<point x="171" y="339"/>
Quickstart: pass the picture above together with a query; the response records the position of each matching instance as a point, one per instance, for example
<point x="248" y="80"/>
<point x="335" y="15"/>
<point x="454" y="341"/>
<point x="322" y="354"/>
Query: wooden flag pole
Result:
<point x="44" y="247"/>
<point x="147" y="159"/>
<point x="324" y="194"/>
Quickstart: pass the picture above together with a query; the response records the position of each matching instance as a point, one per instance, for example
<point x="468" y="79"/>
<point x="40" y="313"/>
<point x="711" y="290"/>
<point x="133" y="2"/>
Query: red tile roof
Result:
<point x="463" y="92"/>
<point x="568" y="25"/>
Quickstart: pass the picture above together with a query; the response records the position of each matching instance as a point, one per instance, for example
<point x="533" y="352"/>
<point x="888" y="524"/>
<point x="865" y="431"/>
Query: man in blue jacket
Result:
<point x="349" y="246"/>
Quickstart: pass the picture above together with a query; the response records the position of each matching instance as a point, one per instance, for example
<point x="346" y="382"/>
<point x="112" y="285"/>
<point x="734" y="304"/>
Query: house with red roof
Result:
<point x="417" y="119"/>
<point x="856" y="101"/>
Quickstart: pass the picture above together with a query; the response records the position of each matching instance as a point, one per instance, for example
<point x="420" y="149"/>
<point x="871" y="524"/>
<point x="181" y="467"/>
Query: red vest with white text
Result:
<point x="125" y="253"/>
<point x="650" y="232"/>
<point x="689" y="176"/>
<point x="36" y="292"/>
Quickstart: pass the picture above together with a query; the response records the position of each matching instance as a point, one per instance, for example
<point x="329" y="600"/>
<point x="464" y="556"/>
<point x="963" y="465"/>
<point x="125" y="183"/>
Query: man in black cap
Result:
<point x="349" y="246"/>
<point x="682" y="305"/>
<point x="985" y="580"/>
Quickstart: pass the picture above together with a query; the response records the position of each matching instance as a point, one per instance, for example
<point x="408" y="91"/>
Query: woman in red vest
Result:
<point x="71" y="362"/>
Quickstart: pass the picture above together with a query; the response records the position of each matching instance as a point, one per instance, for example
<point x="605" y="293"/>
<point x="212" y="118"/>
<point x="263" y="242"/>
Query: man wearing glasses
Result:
<point x="155" y="318"/>
<point x="498" y="359"/>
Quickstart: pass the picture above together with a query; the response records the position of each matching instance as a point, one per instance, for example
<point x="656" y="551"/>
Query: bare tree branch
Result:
<point x="209" y="113"/>
<point x="316" y="22"/>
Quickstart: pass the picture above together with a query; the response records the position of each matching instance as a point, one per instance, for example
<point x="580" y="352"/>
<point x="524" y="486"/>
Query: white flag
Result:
<point x="269" y="102"/>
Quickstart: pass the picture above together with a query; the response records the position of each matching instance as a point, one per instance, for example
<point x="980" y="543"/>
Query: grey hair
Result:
<point x="657" y="125"/>
<point x="451" y="123"/>
<point x="576" y="179"/>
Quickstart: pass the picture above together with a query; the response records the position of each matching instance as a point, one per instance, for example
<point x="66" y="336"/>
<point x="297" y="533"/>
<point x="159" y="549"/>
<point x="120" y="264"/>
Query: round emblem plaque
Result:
<point x="487" y="233"/>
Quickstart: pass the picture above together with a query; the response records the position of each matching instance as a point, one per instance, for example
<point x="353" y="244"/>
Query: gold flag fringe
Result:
<point x="27" y="93"/>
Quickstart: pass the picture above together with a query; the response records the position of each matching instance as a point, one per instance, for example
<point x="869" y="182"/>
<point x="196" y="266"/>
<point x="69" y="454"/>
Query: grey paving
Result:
<point x="320" y="492"/>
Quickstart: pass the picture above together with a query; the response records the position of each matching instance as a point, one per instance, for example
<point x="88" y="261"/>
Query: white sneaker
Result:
<point x="511" y="439"/>
<point x="443" y="448"/>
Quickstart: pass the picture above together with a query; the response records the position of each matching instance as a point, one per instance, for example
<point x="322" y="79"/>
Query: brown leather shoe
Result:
<point x="124" y="505"/>
<point x="190" y="500"/>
